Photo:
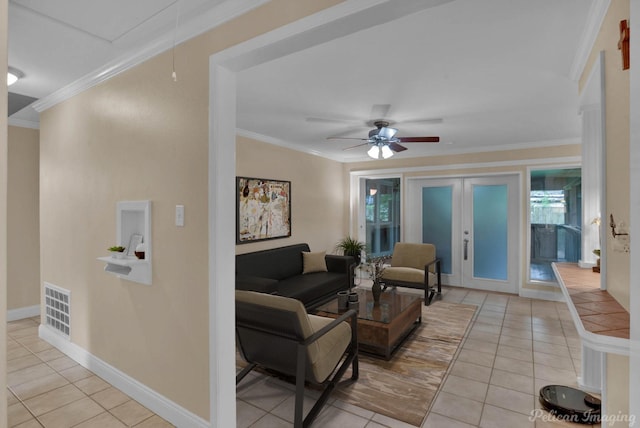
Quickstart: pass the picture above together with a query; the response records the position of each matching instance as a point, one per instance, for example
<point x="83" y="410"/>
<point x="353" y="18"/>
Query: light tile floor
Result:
<point x="48" y="389"/>
<point x="514" y="347"/>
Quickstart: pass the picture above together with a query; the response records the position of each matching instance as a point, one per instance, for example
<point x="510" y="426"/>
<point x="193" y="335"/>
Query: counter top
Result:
<point x="598" y="317"/>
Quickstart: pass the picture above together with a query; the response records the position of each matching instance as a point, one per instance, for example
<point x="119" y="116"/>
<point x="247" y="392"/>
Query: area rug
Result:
<point x="404" y="387"/>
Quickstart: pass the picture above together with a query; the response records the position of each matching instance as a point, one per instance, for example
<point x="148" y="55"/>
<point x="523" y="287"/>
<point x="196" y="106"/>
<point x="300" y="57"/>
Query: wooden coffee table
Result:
<point x="384" y="326"/>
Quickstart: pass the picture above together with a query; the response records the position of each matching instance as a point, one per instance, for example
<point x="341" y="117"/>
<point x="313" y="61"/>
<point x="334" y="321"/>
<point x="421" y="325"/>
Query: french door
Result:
<point x="474" y="223"/>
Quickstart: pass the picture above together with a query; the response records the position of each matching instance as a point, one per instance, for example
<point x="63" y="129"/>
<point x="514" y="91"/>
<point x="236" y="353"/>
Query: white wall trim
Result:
<point x="523" y="162"/>
<point x="22" y="313"/>
<point x="444" y="150"/>
<point x="282" y="143"/>
<point x="531" y="293"/>
<point x="596" y="15"/>
<point x="193" y="27"/>
<point x="222" y="167"/>
<point x="634" y="215"/>
<point x="146" y="396"/>
<point x="21" y="123"/>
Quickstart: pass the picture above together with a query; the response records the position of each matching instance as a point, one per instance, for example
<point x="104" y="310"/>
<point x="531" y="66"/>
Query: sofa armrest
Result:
<point x="342" y="264"/>
<point x="256" y="283"/>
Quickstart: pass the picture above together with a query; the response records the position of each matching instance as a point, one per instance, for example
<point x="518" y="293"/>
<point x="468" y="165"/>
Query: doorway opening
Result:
<point x="555" y="218"/>
<point x="382" y="214"/>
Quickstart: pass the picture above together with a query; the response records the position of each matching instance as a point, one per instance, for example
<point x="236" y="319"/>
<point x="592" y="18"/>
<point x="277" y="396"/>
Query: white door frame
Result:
<point x="343" y="19"/>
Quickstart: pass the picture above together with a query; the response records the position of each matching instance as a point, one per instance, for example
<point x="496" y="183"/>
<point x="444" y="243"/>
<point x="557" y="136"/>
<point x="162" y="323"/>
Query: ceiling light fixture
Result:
<point x="380" y="151"/>
<point x="374" y="152"/>
<point x="13" y="75"/>
<point x="386" y="152"/>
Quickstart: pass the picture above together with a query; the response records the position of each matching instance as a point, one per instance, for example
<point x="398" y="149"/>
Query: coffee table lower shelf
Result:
<point x="384" y="338"/>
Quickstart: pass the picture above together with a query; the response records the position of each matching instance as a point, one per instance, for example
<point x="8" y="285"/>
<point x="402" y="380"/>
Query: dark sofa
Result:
<point x="279" y="271"/>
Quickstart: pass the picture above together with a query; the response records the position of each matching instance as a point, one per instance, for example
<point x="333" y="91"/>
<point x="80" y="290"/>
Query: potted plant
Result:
<point x="117" y="251"/>
<point x="376" y="269"/>
<point x="351" y="247"/>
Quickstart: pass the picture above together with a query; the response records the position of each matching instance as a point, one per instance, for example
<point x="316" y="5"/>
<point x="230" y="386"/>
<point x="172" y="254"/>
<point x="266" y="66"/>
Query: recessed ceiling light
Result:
<point x="13" y="75"/>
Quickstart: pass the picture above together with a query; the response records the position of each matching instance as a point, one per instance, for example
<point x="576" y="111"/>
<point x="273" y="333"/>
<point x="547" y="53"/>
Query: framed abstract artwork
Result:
<point x="263" y="209"/>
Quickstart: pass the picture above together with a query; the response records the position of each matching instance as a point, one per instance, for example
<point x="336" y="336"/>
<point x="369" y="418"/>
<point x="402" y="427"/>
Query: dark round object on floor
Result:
<point x="570" y="404"/>
<point x="593" y="401"/>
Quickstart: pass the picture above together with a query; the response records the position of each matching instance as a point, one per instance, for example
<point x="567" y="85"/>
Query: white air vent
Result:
<point x="58" y="308"/>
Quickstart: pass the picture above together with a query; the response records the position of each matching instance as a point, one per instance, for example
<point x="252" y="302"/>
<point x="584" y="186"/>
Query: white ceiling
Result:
<point x="496" y="72"/>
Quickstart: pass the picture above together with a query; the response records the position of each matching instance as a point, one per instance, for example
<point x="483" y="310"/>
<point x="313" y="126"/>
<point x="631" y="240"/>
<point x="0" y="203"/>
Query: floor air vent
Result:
<point x="58" y="305"/>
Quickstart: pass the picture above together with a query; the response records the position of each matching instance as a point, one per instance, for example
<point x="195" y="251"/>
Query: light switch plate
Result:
<point x="180" y="215"/>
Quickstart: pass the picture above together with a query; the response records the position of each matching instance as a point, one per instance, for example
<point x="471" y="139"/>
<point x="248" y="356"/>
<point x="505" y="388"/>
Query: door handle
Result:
<point x="466" y="246"/>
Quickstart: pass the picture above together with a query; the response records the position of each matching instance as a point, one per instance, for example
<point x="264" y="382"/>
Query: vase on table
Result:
<point x="376" y="290"/>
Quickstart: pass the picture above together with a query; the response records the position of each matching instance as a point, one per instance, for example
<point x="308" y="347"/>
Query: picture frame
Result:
<point x="263" y="209"/>
<point x="134" y="240"/>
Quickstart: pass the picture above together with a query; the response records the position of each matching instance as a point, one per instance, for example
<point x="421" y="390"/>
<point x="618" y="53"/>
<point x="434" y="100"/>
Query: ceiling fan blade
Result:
<point x="331" y="120"/>
<point x="397" y="147"/>
<point x="419" y="139"/>
<point x="355" y="147"/>
<point x="347" y="138"/>
<point x="431" y="121"/>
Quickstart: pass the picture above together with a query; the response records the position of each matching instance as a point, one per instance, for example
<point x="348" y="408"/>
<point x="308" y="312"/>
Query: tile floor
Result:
<point x="48" y="389"/>
<point x="514" y="347"/>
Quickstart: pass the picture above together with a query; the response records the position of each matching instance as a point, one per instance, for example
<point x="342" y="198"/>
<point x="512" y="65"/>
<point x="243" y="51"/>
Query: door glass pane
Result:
<point x="437" y="222"/>
<point x="382" y="211"/>
<point x="555" y="211"/>
<point x="490" y="211"/>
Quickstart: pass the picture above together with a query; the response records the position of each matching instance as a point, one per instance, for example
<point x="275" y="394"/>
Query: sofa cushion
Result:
<point x="313" y="286"/>
<point x="276" y="263"/>
<point x="256" y="283"/>
<point x="313" y="262"/>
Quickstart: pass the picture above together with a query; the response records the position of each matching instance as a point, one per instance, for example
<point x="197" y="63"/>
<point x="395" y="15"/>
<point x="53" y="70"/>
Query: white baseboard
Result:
<point x="542" y="295"/>
<point x="157" y="403"/>
<point x="22" y="313"/>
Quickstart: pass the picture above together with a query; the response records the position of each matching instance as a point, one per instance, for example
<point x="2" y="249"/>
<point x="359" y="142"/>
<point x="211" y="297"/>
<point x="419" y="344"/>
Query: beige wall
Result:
<point x="3" y="213"/>
<point x="23" y="234"/>
<point x="617" y="142"/>
<point x="142" y="136"/>
<point x="317" y="194"/>
<point x="461" y="165"/>
<point x="617" y="185"/>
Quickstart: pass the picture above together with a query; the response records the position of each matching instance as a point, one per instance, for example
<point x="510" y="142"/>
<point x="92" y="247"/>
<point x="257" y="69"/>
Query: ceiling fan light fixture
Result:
<point x="13" y="75"/>
<point x="374" y="152"/>
<point x="386" y="152"/>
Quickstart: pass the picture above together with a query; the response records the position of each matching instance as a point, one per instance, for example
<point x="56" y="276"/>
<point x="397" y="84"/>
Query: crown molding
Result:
<point x="21" y="123"/>
<point x="596" y="15"/>
<point x="282" y="143"/>
<point x="438" y="152"/>
<point x="193" y="27"/>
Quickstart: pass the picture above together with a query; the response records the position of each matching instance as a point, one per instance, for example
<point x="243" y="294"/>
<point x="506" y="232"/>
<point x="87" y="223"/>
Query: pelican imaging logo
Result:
<point x="582" y="418"/>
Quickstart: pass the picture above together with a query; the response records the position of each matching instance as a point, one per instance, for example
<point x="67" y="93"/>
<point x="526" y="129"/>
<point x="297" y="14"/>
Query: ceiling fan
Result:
<point x="383" y="141"/>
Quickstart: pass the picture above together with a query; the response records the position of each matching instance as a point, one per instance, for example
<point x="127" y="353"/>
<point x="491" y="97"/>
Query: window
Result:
<point x="555" y="216"/>
<point x="382" y="212"/>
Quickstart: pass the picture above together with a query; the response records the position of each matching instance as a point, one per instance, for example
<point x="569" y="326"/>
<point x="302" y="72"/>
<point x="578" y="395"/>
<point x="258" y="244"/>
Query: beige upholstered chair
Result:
<point x="408" y="266"/>
<point x="276" y="332"/>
